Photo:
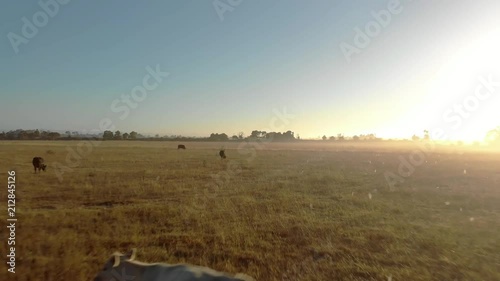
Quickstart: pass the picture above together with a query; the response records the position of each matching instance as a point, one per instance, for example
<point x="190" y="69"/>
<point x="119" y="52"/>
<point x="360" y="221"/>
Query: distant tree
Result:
<point x="324" y="137"/>
<point x="107" y="135"/>
<point x="235" y="137"/>
<point x="288" y="135"/>
<point x="125" y="136"/>
<point x="218" y="137"/>
<point x="241" y="135"/>
<point x="332" y="138"/>
<point x="270" y="135"/>
<point x="11" y="135"/>
<point x="133" y="135"/>
<point x="68" y="133"/>
<point x="255" y="134"/>
<point x="415" y="138"/>
<point x="118" y="135"/>
<point x="258" y="134"/>
<point x="31" y="134"/>
<point x="340" y="137"/>
<point x="22" y="135"/>
<point x="278" y="136"/>
<point x="355" y="138"/>
<point x="53" y="135"/>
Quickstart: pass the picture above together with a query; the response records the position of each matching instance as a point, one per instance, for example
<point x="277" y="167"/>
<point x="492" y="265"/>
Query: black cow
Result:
<point x="181" y="146"/>
<point x="222" y="154"/>
<point x="38" y="164"/>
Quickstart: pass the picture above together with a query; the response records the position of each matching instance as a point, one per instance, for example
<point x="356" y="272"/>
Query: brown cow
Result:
<point x="222" y="154"/>
<point x="181" y="146"/>
<point x="38" y="164"/>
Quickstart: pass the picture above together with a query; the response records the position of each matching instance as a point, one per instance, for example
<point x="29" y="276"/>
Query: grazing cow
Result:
<point x="38" y="164"/>
<point x="124" y="267"/>
<point x="181" y="146"/>
<point x="222" y="154"/>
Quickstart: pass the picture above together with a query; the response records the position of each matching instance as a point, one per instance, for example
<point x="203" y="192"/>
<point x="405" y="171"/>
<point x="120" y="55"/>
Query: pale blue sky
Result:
<point x="229" y="76"/>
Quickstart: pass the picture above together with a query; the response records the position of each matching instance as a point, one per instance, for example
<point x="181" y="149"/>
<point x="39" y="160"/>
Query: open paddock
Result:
<point x="275" y="211"/>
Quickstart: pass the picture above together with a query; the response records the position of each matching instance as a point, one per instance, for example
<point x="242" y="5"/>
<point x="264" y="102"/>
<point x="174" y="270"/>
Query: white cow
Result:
<point x="122" y="267"/>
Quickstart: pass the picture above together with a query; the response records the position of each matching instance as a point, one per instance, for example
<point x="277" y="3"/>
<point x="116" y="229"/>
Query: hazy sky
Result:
<point x="231" y="70"/>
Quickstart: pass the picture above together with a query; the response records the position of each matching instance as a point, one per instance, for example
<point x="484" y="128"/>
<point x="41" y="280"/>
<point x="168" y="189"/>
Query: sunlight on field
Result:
<point x="307" y="211"/>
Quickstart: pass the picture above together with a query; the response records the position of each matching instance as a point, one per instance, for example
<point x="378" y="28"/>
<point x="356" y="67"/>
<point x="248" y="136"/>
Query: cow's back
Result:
<point x="37" y="161"/>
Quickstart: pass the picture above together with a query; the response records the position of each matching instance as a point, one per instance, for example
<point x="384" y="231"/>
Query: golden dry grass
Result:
<point x="287" y="212"/>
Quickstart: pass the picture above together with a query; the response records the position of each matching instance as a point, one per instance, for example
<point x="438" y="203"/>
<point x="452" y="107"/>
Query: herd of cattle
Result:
<point x="125" y="267"/>
<point x="38" y="162"/>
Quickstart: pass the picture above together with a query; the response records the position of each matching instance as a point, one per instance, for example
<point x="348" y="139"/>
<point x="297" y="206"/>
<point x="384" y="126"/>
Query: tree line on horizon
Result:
<point x="133" y="135"/>
<point x="493" y="136"/>
<point x="20" y="134"/>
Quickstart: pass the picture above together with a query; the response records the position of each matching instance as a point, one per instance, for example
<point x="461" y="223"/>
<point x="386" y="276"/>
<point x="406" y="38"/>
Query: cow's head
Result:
<point x="43" y="167"/>
<point x="115" y="269"/>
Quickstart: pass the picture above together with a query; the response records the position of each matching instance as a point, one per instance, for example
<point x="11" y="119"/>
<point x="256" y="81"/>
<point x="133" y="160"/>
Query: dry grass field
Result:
<point x="306" y="211"/>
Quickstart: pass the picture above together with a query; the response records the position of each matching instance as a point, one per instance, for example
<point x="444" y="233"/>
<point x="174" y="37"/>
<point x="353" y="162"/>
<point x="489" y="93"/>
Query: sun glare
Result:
<point x="457" y="81"/>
